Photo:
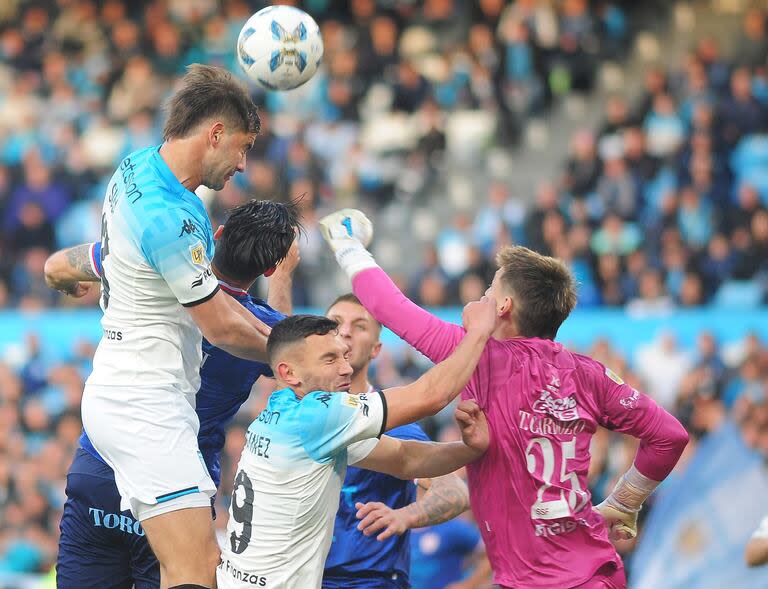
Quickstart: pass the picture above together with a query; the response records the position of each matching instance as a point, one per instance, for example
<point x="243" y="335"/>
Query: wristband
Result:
<point x="353" y="257"/>
<point x="632" y="489"/>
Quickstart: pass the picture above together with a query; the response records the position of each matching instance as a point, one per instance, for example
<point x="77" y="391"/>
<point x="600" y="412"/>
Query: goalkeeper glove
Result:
<point x="621" y="507"/>
<point x="348" y="231"/>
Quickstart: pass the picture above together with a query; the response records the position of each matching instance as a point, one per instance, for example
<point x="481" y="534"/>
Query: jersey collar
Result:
<point x="232" y="290"/>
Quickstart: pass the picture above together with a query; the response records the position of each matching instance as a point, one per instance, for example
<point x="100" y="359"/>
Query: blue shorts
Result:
<point x="365" y="581"/>
<point x="101" y="547"/>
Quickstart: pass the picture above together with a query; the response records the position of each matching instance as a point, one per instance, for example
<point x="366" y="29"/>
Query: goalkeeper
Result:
<point x="529" y="491"/>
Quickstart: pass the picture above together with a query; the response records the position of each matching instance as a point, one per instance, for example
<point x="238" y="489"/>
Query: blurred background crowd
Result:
<point x="661" y="206"/>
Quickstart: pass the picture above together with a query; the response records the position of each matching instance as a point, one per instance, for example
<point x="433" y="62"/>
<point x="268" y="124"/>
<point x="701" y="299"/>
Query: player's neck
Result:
<point x="360" y="382"/>
<point x="179" y="155"/>
<point x="504" y="331"/>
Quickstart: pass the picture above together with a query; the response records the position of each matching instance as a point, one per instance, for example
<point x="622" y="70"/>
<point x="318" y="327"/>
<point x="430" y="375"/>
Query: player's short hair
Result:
<point x="296" y="329"/>
<point x="209" y="92"/>
<point x="256" y="237"/>
<point x="351" y="298"/>
<point x="542" y="287"/>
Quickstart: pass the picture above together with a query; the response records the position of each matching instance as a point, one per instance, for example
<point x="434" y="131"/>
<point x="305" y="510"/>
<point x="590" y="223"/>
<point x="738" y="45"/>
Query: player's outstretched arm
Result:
<point x="72" y="270"/>
<point x="445" y="498"/>
<point x="442" y="383"/>
<point x="410" y="459"/>
<point x="281" y="281"/>
<point x="347" y="232"/>
<point x="226" y="324"/>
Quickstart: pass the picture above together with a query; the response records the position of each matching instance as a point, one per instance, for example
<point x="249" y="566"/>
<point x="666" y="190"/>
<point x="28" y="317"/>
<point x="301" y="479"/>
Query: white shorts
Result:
<point x="149" y="438"/>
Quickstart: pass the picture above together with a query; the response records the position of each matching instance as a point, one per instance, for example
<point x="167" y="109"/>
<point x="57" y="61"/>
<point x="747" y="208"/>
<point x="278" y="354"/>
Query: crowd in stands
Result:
<point x="81" y="83"/>
<point x="662" y="207"/>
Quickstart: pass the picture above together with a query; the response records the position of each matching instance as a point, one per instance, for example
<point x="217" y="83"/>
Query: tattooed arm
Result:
<point x="72" y="270"/>
<point x="445" y="498"/>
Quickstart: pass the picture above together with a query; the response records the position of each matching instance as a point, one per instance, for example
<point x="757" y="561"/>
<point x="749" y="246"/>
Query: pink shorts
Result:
<point x="607" y="576"/>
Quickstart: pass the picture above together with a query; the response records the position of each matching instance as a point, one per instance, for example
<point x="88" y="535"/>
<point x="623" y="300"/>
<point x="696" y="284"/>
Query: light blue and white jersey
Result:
<point x="288" y="484"/>
<point x="156" y="247"/>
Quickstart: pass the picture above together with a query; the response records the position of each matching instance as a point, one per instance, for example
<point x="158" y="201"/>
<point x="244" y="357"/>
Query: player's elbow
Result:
<point x="679" y="437"/>
<point x="219" y="337"/>
<point x="54" y="269"/>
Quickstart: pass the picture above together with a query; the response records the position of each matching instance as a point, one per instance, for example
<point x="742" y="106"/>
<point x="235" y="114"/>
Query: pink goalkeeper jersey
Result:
<point x="529" y="491"/>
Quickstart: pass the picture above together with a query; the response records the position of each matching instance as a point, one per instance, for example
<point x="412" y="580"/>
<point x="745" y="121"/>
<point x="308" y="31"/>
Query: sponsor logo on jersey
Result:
<point x="613" y="376"/>
<point x="324" y="398"/>
<point x="197" y="253"/>
<point x="562" y="409"/>
<point x="188" y="227"/>
<point x="249" y="577"/>
<point x="200" y="278"/>
<point x="630" y="402"/>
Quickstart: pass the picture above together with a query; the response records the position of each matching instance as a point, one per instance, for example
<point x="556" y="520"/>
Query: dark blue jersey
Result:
<point x="225" y="383"/>
<point x="352" y="553"/>
<point x="439" y="553"/>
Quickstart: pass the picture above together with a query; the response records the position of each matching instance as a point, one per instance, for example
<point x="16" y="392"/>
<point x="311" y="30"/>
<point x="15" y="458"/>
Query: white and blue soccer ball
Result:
<point x="280" y="47"/>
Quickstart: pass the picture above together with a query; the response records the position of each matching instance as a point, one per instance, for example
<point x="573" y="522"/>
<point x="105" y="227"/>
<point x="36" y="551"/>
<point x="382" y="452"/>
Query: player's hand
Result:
<point x="376" y="516"/>
<point x="344" y="225"/>
<point x="473" y="425"/>
<point x="622" y="525"/>
<point x="290" y="262"/>
<point x="480" y="316"/>
<point x="77" y="290"/>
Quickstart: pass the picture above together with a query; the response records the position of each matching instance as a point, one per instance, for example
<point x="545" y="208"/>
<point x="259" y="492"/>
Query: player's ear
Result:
<point x="376" y="350"/>
<point x="506" y="307"/>
<point x="286" y="374"/>
<point x="216" y="133"/>
<point x="218" y="232"/>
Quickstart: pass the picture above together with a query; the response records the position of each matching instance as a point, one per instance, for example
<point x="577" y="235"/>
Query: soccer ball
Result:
<point x="280" y="47"/>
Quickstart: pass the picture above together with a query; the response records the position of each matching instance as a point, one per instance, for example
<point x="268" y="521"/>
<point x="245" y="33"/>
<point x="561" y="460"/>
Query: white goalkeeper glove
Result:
<point x="621" y="507"/>
<point x="348" y="232"/>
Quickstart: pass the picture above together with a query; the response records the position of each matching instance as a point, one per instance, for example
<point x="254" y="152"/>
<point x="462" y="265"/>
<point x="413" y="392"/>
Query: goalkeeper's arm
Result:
<point x="662" y="441"/>
<point x="348" y="231"/>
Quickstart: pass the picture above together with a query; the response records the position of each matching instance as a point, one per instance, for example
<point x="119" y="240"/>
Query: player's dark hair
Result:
<point x="350" y="298"/>
<point x="542" y="288"/>
<point x="295" y="329"/>
<point x="209" y="92"/>
<point x="256" y="237"/>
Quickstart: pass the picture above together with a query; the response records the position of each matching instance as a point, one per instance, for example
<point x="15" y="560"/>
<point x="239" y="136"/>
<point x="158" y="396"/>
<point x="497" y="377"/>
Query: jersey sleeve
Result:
<point x="95" y="257"/>
<point x="433" y="337"/>
<point x="662" y="437"/>
<point x="332" y="422"/>
<point x="360" y="450"/>
<point x="178" y="245"/>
